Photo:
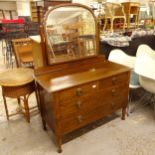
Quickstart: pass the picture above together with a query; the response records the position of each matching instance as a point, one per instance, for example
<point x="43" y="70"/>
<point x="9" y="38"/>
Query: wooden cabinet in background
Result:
<point x="34" y="10"/>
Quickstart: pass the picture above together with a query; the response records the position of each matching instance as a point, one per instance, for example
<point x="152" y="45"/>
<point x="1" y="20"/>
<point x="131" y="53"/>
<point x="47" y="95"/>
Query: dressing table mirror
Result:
<point x="76" y="85"/>
<point x="70" y="33"/>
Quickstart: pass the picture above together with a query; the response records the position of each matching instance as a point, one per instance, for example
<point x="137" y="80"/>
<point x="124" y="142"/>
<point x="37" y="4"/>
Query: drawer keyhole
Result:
<point x="113" y="92"/>
<point x="114" y="80"/>
<point x="79" y="92"/>
<point x="80" y="118"/>
<point x="79" y="104"/>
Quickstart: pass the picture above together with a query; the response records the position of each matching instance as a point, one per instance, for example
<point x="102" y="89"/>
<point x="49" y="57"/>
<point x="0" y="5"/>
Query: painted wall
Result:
<point x="23" y="7"/>
<point x="8" y="5"/>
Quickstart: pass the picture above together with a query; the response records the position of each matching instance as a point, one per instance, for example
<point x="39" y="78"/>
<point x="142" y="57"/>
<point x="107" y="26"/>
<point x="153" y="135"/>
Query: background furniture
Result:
<point x="18" y="83"/>
<point x="11" y="29"/>
<point x="145" y="69"/>
<point x="132" y="48"/>
<point x="114" y="13"/>
<point x="78" y="90"/>
<point x="34" y="10"/>
<point x="12" y="14"/>
<point x="23" y="52"/>
<point x="2" y="15"/>
<point x="132" y="11"/>
<point x="8" y="14"/>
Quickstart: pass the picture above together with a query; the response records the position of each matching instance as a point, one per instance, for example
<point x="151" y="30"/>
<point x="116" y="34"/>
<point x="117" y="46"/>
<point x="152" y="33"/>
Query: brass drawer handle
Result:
<point x="78" y="92"/>
<point x="113" y="92"/>
<point x="80" y="118"/>
<point x="94" y="86"/>
<point x="79" y="104"/>
<point x="114" y="80"/>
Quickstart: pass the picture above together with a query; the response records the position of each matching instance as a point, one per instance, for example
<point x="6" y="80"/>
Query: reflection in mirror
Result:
<point x="70" y="33"/>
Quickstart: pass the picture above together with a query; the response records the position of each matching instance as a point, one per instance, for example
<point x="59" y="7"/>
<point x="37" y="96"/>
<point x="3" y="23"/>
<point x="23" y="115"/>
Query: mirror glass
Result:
<point x="70" y="33"/>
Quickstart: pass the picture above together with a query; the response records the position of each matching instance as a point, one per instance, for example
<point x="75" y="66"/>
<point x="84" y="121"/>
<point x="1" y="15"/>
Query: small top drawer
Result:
<point x="114" y="80"/>
<point x="78" y="91"/>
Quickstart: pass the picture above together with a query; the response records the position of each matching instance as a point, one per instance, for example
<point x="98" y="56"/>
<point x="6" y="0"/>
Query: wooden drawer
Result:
<point x="114" y="80"/>
<point x="117" y="91"/>
<point x="104" y="107"/>
<point x="81" y="119"/>
<point x="118" y="101"/>
<point x="84" y="105"/>
<point x="114" y="98"/>
<point x="89" y="103"/>
<point x="78" y="92"/>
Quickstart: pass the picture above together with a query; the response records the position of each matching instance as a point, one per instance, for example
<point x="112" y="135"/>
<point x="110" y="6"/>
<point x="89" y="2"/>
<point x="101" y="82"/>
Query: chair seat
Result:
<point x="147" y="84"/>
<point x="134" y="86"/>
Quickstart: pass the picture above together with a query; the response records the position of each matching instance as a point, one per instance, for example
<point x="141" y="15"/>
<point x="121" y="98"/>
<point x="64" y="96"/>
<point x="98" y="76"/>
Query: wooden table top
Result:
<point x="36" y="38"/>
<point x="58" y="81"/>
<point x="16" y="77"/>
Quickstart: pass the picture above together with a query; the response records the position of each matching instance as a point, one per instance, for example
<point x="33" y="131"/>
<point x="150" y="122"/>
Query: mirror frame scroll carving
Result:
<point x="44" y="39"/>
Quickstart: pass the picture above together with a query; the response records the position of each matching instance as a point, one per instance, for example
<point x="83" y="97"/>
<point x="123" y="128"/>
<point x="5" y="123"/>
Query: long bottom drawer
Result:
<point x="81" y="119"/>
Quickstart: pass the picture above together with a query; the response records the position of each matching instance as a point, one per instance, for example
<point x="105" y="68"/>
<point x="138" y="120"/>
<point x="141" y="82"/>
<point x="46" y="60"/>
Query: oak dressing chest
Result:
<point x="76" y="85"/>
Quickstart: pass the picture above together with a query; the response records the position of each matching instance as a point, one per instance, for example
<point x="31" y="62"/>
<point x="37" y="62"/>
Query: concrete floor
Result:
<point x="134" y="136"/>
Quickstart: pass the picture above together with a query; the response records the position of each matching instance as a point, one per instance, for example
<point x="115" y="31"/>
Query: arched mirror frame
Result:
<point x="44" y="36"/>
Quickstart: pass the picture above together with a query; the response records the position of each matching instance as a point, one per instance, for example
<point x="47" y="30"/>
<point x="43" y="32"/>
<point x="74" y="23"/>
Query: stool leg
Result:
<point x="26" y="106"/>
<point x="37" y="98"/>
<point x="19" y="104"/>
<point x="18" y="99"/>
<point x="6" y="108"/>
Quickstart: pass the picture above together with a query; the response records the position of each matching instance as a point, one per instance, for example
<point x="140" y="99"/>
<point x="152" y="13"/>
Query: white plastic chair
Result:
<point x="121" y="57"/>
<point x="145" y="67"/>
<point x="145" y="49"/>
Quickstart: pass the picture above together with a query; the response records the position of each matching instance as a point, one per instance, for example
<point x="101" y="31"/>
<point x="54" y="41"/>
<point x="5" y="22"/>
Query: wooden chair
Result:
<point x="23" y="52"/>
<point x="113" y="12"/>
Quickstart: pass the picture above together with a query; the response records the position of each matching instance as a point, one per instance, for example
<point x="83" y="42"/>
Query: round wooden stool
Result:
<point x="18" y="83"/>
